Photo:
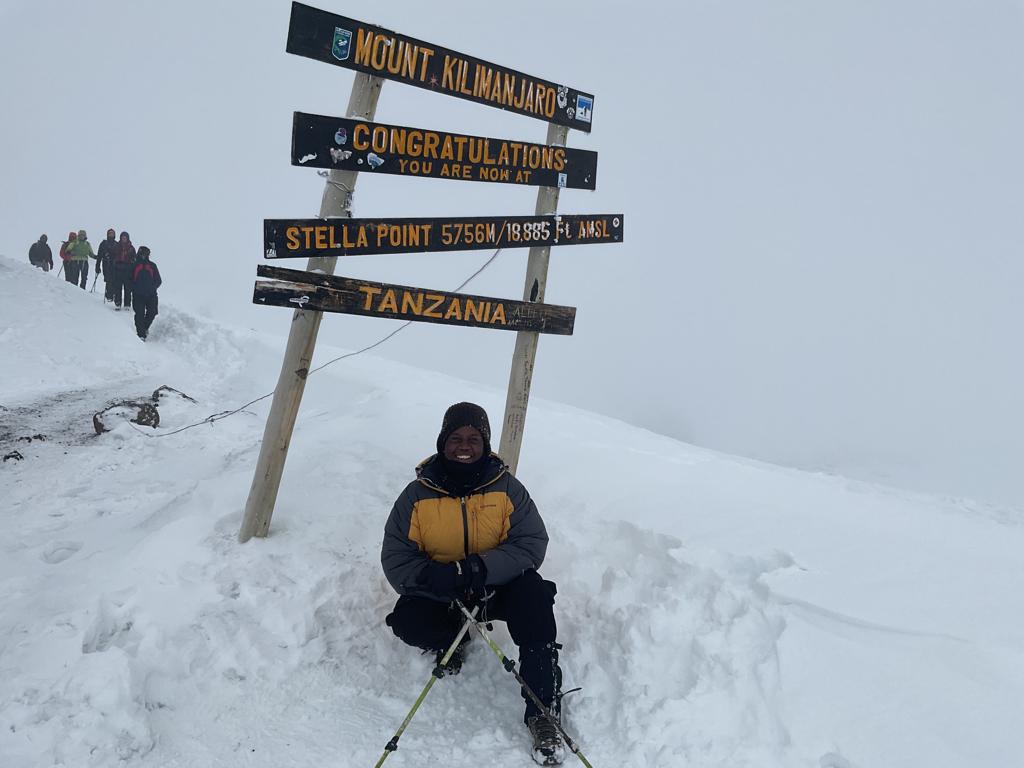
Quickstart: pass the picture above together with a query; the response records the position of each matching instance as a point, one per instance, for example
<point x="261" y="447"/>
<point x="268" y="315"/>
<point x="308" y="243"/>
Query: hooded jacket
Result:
<point x="497" y="520"/>
<point x="79" y="250"/>
<point x="124" y="253"/>
<point x="145" y="277"/>
<point x="105" y="252"/>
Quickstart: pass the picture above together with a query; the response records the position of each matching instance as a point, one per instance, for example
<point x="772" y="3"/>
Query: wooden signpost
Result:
<point x="355" y="143"/>
<point x="303" y="238"/>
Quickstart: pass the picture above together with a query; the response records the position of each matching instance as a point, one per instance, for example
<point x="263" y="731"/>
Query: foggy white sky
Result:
<point x="824" y="203"/>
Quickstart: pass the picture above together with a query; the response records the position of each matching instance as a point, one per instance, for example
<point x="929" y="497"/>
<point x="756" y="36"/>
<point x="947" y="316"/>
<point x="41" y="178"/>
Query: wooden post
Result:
<point x="521" y="375"/>
<point x="298" y="354"/>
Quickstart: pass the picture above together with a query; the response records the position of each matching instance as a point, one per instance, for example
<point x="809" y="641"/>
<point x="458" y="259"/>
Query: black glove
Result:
<point x="443" y="579"/>
<point x="474" y="572"/>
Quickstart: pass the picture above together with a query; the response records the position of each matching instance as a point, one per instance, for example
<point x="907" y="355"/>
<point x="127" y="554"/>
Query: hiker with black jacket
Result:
<point x="145" y="282"/>
<point x="40" y="255"/>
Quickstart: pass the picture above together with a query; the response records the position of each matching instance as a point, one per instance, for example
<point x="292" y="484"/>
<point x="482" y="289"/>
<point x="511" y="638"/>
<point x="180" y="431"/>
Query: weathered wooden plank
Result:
<point x="352" y="44"/>
<point x="321" y="141"/>
<point x="300" y="238"/>
<point x="332" y="293"/>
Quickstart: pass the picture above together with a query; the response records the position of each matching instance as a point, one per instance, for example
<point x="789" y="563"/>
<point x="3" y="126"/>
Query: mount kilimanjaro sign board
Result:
<point x="330" y="293"/>
<point x="366" y="48"/>
<point x="309" y="238"/>
<point x="343" y="143"/>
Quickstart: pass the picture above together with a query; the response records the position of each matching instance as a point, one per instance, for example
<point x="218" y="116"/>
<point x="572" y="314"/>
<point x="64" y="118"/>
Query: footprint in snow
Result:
<point x="60" y="551"/>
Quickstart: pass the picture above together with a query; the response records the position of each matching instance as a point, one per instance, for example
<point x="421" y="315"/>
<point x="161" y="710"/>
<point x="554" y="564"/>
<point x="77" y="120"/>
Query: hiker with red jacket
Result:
<point x="65" y="256"/>
<point x="123" y="266"/>
<point x="145" y="281"/>
<point x="105" y="264"/>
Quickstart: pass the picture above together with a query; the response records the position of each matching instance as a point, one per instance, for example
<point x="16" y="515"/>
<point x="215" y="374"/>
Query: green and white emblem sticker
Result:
<point x="342" y="45"/>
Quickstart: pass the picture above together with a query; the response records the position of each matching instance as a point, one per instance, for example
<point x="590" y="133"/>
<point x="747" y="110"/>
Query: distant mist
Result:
<point x="823" y="204"/>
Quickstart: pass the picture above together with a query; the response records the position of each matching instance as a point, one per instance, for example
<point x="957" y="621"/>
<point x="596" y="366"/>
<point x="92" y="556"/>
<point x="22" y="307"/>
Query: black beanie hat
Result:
<point x="465" y="415"/>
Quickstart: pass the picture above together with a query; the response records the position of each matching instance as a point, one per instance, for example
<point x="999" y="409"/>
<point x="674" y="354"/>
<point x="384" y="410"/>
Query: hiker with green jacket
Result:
<point x="78" y="254"/>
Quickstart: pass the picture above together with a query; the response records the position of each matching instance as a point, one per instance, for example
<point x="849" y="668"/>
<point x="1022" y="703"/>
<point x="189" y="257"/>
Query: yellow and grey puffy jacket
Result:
<point x="497" y="520"/>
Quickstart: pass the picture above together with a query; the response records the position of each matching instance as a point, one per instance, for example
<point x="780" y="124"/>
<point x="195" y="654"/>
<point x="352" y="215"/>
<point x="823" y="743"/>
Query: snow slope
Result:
<point x="717" y="611"/>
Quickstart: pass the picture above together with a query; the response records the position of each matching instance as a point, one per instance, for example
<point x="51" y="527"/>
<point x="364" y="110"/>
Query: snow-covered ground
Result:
<point x="716" y="611"/>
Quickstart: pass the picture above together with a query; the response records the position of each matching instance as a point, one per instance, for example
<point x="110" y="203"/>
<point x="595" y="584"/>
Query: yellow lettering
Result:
<point x="559" y="159"/>
<point x="448" y="73"/>
<point x="430" y="142"/>
<point x="454" y="310"/>
<point x="364" y="40"/>
<point x="499" y="314"/>
<point x="508" y="94"/>
<point x="482" y="81"/>
<point x="427" y="53"/>
<point x="474" y="311"/>
<point x="380" y="139"/>
<point x="370" y="292"/>
<point x="360" y="136"/>
<point x="380" y="46"/>
<point x="395" y="56"/>
<point x="464" y="66"/>
<point x="412" y="302"/>
<point x="436" y="301"/>
<point x="292" y="233"/>
<point x="389" y="303"/>
<point x="321" y="238"/>
<point x="447" y="153"/>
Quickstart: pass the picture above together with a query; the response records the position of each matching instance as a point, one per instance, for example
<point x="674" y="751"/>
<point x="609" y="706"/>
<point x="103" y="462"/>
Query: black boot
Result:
<point x="548" y="748"/>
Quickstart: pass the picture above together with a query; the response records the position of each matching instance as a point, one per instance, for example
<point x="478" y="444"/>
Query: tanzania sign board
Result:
<point x="342" y="143"/>
<point x="330" y="293"/>
<point x="363" y="47"/>
<point x="308" y="238"/>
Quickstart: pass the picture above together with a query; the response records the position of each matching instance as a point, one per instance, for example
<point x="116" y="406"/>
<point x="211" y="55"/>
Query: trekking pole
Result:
<point x="61" y="270"/>
<point x="94" y="279"/>
<point x="435" y="675"/>
<point x="510" y="666"/>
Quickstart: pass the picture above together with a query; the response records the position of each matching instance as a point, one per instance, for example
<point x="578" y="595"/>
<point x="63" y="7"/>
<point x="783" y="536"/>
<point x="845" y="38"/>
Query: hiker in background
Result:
<point x="124" y="263"/>
<point x="77" y="265"/>
<point x="40" y="255"/>
<point x="145" y="281"/>
<point x="65" y="256"/>
<point x="104" y="264"/>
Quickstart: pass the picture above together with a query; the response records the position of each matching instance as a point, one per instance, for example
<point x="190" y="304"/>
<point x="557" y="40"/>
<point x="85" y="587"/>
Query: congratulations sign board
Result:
<point x="356" y="45"/>
<point x="307" y="238"/>
<point x="330" y="293"/>
<point x="319" y="141"/>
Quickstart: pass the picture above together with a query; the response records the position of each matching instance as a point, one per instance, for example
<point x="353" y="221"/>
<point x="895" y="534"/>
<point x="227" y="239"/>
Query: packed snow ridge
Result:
<point x="716" y="611"/>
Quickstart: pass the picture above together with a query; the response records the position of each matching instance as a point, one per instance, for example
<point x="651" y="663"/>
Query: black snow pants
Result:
<point x="76" y="272"/>
<point x="145" y="310"/>
<point x="121" y="284"/>
<point x="525" y="604"/>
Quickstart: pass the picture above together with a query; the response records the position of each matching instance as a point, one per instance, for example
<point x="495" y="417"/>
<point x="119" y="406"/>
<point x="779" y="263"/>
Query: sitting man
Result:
<point x="467" y="529"/>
